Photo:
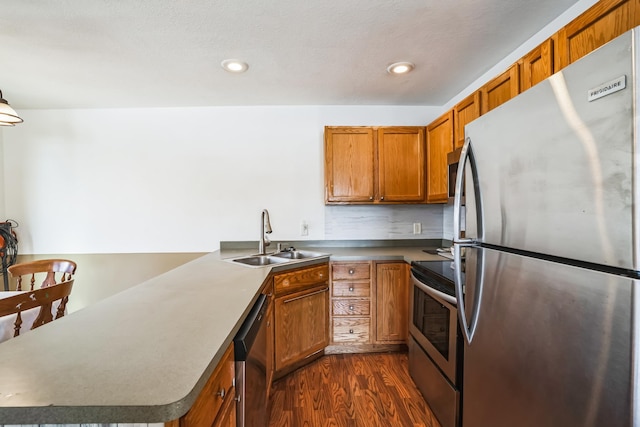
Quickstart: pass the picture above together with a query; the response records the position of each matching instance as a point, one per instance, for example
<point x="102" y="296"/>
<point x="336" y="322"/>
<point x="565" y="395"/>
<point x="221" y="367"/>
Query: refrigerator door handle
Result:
<point x="465" y="154"/>
<point x="468" y="328"/>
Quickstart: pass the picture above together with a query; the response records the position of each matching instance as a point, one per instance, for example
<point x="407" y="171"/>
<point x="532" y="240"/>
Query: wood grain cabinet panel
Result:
<point x="600" y="24"/>
<point x="537" y="65"/>
<point x="465" y="112"/>
<point x="374" y="165"/>
<point x="351" y="330"/>
<point x="351" y="289"/>
<point x="392" y="302"/>
<point x="401" y="158"/>
<point x="351" y="307"/>
<point x="439" y="143"/>
<point x="500" y="89"/>
<point x="301" y="317"/>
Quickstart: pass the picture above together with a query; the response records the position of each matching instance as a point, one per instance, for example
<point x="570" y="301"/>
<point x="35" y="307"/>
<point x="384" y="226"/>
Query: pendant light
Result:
<point x="8" y="116"/>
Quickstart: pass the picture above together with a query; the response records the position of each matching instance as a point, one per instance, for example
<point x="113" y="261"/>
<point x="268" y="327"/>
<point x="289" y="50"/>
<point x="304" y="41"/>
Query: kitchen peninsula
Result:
<point x="144" y="355"/>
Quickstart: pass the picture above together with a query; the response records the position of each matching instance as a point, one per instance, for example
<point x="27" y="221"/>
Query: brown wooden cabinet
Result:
<point x="215" y="406"/>
<point x="439" y="143"/>
<point x="500" y="89"/>
<point x="465" y="112"/>
<point x="537" y="65"/>
<point x="392" y="302"/>
<point x="371" y="165"/>
<point x="301" y="317"/>
<point x="369" y="306"/>
<point x="351" y="302"/>
<point x="600" y="24"/>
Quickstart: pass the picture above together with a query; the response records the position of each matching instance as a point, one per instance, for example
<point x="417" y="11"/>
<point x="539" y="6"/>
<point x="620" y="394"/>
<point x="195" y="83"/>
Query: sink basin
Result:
<point x="259" y="260"/>
<point x="298" y="254"/>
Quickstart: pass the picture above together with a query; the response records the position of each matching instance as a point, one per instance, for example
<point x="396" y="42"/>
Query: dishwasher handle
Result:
<point x="248" y="332"/>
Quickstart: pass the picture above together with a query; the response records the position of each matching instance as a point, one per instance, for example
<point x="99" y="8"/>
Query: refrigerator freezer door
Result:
<point x="556" y="170"/>
<point x="552" y="345"/>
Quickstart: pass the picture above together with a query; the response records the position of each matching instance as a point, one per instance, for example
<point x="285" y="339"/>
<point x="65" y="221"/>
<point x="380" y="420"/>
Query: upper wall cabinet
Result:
<point x="537" y="65"/>
<point x="466" y="111"/>
<point x="603" y="22"/>
<point x="371" y="165"/>
<point x="500" y="89"/>
<point x="439" y="143"/>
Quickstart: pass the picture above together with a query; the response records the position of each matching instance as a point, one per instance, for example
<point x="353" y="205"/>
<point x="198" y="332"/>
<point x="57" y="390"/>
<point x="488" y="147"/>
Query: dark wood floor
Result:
<point x="350" y="390"/>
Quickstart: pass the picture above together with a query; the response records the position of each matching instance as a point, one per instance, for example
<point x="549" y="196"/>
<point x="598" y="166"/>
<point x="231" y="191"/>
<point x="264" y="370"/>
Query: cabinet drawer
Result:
<point x="216" y="391"/>
<point x="351" y="330"/>
<point x="299" y="280"/>
<point x="351" y="271"/>
<point x="351" y="307"/>
<point x="351" y="289"/>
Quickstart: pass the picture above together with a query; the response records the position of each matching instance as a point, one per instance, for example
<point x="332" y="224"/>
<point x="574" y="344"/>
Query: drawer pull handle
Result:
<point x="221" y="393"/>
<point x="351" y="289"/>
<point x="382" y="198"/>
<point x="350" y="331"/>
<point x="370" y="197"/>
<point x="305" y="295"/>
<point x="351" y="271"/>
<point x="351" y="307"/>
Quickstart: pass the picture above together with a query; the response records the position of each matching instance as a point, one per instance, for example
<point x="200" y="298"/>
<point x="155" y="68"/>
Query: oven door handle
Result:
<point x="441" y="296"/>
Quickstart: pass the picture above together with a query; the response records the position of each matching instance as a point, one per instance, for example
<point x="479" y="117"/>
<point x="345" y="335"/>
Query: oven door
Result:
<point x="434" y="325"/>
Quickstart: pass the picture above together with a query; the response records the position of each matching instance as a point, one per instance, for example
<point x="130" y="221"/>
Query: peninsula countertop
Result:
<point x="144" y="354"/>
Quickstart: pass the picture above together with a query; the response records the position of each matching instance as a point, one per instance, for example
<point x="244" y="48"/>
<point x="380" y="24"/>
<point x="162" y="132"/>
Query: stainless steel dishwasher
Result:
<point x="250" y="347"/>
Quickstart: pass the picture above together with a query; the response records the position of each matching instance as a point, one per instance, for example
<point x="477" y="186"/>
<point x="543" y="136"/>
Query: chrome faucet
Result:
<point x="265" y="228"/>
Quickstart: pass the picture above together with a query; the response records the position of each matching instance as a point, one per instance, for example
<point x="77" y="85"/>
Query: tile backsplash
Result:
<point x="383" y="222"/>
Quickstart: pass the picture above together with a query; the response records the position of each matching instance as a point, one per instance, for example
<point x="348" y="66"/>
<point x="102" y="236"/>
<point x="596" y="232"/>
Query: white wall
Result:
<point x="175" y="179"/>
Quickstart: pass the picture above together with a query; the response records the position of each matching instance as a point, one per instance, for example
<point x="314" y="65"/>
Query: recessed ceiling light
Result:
<point x="235" y="65"/>
<point x="400" y="68"/>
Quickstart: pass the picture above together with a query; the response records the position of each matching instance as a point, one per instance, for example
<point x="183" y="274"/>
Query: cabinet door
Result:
<point x="401" y="164"/>
<point x="392" y="302"/>
<point x="465" y="112"/>
<point x="349" y="164"/>
<point x="538" y="64"/>
<point x="302" y="325"/>
<point x="439" y="143"/>
<point x="227" y="415"/>
<point x="500" y="89"/>
<point x="600" y="24"/>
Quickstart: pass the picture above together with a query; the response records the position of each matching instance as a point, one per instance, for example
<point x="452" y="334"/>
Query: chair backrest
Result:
<point x="46" y="268"/>
<point x="43" y="298"/>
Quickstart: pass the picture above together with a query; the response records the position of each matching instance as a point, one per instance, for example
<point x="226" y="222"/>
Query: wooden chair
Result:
<point x="43" y="298"/>
<point x="46" y="267"/>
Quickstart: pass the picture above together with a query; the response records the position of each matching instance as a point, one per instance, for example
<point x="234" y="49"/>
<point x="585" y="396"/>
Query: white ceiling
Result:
<point x="164" y="53"/>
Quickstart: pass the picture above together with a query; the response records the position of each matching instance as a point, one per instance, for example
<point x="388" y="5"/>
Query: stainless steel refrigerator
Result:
<point x="551" y="250"/>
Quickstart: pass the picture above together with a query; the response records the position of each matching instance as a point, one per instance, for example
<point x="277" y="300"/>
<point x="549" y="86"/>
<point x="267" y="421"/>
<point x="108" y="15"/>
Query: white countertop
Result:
<point x="143" y="355"/>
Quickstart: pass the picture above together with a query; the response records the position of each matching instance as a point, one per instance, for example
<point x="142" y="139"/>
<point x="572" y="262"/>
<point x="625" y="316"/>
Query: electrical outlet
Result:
<point x="304" y="228"/>
<point x="417" y="228"/>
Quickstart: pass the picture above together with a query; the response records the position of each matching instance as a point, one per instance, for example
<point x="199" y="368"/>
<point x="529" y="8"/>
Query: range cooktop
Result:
<point x="444" y="268"/>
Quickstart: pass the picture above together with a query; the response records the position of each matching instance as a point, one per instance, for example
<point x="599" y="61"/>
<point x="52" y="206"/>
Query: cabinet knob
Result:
<point x="350" y="288"/>
<point x="350" y="331"/>
<point x="351" y="307"/>
<point x="351" y="271"/>
<point x="222" y="393"/>
<point x="371" y="198"/>
<point x="381" y="197"/>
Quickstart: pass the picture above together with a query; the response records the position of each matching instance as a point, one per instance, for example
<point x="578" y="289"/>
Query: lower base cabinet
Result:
<point x="369" y="306"/>
<point x="301" y="315"/>
<point x="215" y="406"/>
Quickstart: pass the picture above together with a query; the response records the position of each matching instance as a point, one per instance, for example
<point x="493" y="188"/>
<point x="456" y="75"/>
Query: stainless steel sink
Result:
<point x="298" y="254"/>
<point x="259" y="260"/>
